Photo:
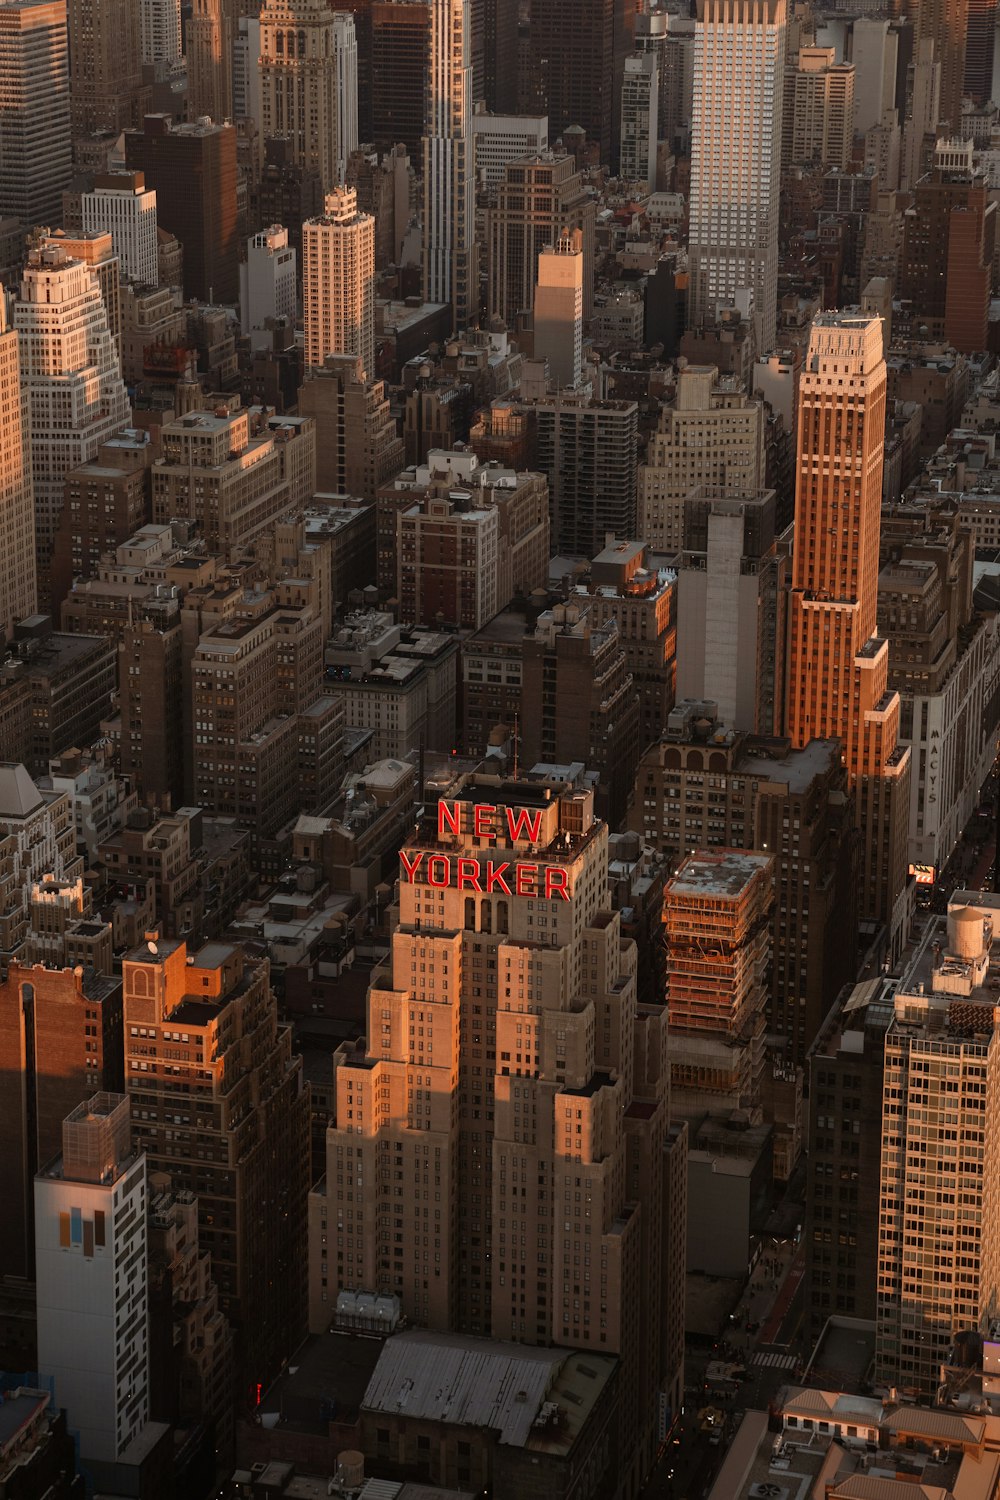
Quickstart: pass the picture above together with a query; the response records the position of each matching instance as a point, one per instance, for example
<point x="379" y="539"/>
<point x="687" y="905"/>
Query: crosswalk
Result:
<point x="775" y="1361"/>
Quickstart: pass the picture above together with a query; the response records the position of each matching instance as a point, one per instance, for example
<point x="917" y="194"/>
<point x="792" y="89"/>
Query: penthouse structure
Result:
<point x="561" y="1081"/>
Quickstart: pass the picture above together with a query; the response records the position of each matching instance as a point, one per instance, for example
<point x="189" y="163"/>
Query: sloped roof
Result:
<point x="19" y="795"/>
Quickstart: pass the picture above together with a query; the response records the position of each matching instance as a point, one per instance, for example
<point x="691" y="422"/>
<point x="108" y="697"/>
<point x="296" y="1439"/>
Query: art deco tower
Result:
<point x="838" y="666"/>
<point x="449" y="179"/>
<point x="509" y="1068"/>
<point x="739" y="68"/>
<point x="301" y="85"/>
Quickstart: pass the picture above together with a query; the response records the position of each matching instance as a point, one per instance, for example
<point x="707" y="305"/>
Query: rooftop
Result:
<point x="473" y="1382"/>
<point x="725" y="874"/>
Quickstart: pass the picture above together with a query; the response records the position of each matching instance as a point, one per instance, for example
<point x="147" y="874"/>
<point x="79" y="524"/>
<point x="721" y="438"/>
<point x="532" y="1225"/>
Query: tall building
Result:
<point x="731" y="589"/>
<point x="70" y="374"/>
<point x="577" y="690"/>
<point x="268" y="284"/>
<point x="841" y="1229"/>
<point x="400" y="67"/>
<point x="35" y="144"/>
<point x="574" y="48"/>
<point x="358" y="446"/>
<point x="819" y="109"/>
<point x="449" y="248"/>
<point x="500" y="139"/>
<point x="718" y="946"/>
<point x="712" y="437"/>
<point x="559" y="310"/>
<point x="62" y="1036"/>
<point x="945" y="23"/>
<point x="639" y="110"/>
<point x="192" y="170"/>
<point x="980" y="47"/>
<point x="91" y="1277"/>
<point x="504" y="888"/>
<point x="160" y="31"/>
<point x="219" y="1103"/>
<point x="304" y="87"/>
<point x="949" y="241"/>
<point x="937" y="1244"/>
<point x="588" y="450"/>
<point x="791" y="804"/>
<point x="736" y="158"/>
<point x="211" y="35"/>
<point x="345" y="46"/>
<point x="837" y="677"/>
<point x="18" y="586"/>
<point x="538" y="198"/>
<point x="338" y="282"/>
<point x="122" y="205"/>
<point x="105" y="65"/>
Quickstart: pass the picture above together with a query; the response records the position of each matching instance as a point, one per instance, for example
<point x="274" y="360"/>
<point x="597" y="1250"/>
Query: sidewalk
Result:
<point x="767" y="1296"/>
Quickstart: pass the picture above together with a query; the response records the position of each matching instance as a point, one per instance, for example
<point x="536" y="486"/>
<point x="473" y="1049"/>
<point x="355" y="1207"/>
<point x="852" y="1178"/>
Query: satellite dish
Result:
<point x="152" y="946"/>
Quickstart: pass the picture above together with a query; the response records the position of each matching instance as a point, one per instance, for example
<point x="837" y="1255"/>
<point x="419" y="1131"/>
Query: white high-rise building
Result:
<point x="72" y="378"/>
<point x="305" y="51"/>
<point x="18" y="592"/>
<point x="267" y="279"/>
<point x="559" y="309"/>
<point x="449" y="179"/>
<point x="640" y="103"/>
<point x="500" y="139"/>
<point x="36" y="160"/>
<point x="345" y="45"/>
<point x="739" y="70"/>
<point x="338" y="282"/>
<point x="160" y="30"/>
<point x="122" y="205"/>
<point x="91" y="1278"/>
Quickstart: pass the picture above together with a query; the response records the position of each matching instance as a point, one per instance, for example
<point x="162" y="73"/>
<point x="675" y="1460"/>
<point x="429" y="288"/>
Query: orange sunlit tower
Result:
<point x="838" y="666"/>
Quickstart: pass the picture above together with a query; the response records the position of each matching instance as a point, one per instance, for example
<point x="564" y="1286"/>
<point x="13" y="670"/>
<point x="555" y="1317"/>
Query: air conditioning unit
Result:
<point x="767" y="1491"/>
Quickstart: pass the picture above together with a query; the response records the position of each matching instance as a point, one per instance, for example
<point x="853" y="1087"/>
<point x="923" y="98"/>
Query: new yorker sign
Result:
<point x="488" y="876"/>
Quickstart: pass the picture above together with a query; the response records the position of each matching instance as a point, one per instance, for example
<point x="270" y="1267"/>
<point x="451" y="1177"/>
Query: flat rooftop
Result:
<point x="797" y="770"/>
<point x="724" y="874"/>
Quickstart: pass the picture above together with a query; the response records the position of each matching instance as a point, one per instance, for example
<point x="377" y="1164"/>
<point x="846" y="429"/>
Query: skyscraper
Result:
<point x="91" y="1277"/>
<point x="105" y="65"/>
<point x="303" y="97"/>
<point x="449" y="179"/>
<point x="574" y="46"/>
<point x="160" y="30"/>
<point x="837" y="665"/>
<point x="35" y="155"/>
<point x="559" y="309"/>
<point x="219" y="1104"/>
<point x="562" y="1081"/>
<point x="122" y="204"/>
<point x="736" y="158"/>
<point x="538" y="199"/>
<point x="210" y="35"/>
<point x="639" y="106"/>
<point x="338" y="282"/>
<point x="70" y="373"/>
<point x="18" y="592"/>
<point x="192" y="170"/>
<point x="345" y="46"/>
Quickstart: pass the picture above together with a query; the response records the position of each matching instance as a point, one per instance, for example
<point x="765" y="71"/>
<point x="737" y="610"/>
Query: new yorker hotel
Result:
<point x="501" y="1158"/>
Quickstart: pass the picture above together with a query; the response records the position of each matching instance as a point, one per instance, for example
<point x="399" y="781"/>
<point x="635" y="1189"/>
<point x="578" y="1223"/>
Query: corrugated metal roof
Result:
<point x="465" y="1381"/>
<point x="875" y="1487"/>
